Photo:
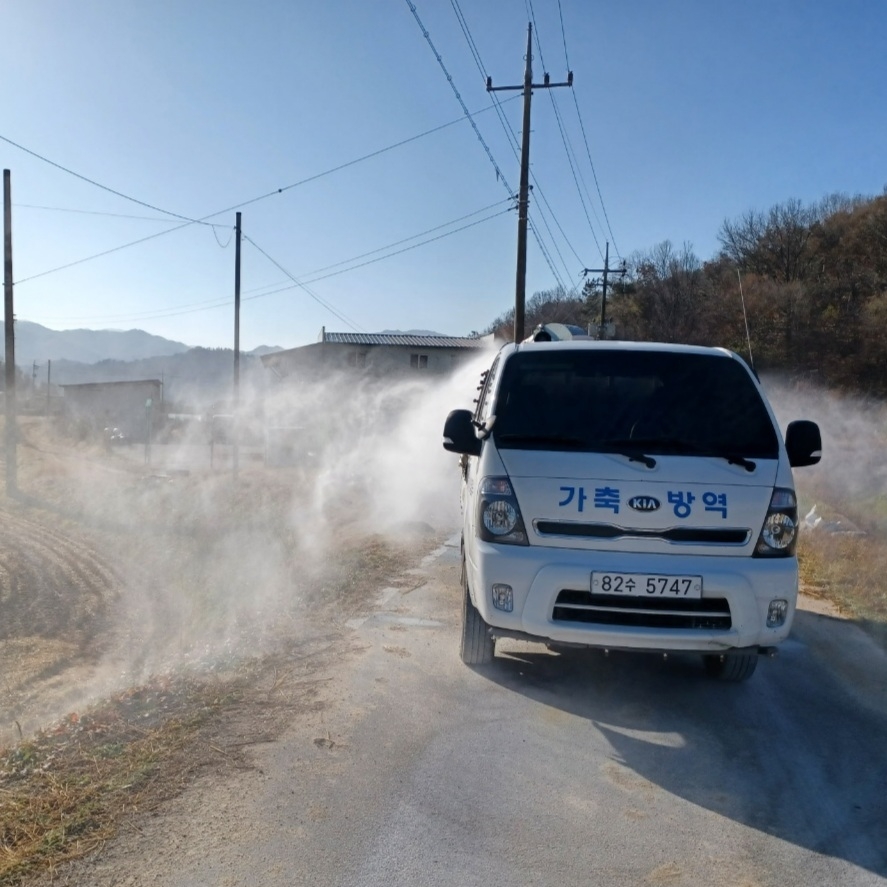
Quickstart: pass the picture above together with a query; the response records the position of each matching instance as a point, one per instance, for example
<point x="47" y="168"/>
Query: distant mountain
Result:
<point x="36" y="342"/>
<point x="194" y="377"/>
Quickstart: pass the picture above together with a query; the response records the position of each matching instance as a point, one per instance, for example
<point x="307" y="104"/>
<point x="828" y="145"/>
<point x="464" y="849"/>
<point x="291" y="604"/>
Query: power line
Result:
<point x="93" y="212"/>
<point x="83" y="178"/>
<point x="104" y="253"/>
<point x="443" y="67"/>
<point x="211" y="304"/>
<point x="317" y="298"/>
<point x="560" y="12"/>
<point x="523" y="202"/>
<point x="545" y="255"/>
<point x="412" y="237"/>
<point x="466" y="31"/>
<point x="413" y="246"/>
<point x="512" y="140"/>
<point x="253" y="200"/>
<point x="568" y="150"/>
<point x="567" y="147"/>
<point x="584" y="135"/>
<point x="594" y="173"/>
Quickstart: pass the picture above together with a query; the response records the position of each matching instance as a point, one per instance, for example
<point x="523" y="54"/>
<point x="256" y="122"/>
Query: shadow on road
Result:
<point x="796" y="752"/>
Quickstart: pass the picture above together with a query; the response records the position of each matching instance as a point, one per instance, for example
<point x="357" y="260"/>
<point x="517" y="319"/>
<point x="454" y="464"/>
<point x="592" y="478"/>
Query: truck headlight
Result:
<point x="779" y="534"/>
<point x="498" y="514"/>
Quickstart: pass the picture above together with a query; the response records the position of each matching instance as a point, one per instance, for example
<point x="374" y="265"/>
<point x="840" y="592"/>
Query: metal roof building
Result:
<point x="419" y="341"/>
<point x="374" y="354"/>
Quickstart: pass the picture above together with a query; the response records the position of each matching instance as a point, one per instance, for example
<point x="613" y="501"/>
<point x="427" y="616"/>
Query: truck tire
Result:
<point x="731" y="667"/>
<point x="477" y="647"/>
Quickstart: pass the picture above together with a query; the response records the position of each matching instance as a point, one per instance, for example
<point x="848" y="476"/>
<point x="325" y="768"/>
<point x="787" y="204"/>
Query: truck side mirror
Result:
<point x="458" y="434"/>
<point x="803" y="443"/>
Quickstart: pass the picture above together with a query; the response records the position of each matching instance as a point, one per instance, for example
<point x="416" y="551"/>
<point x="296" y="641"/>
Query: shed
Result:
<point x="128" y="405"/>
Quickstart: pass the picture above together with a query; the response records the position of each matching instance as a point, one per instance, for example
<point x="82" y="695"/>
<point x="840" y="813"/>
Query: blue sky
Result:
<point x="693" y="112"/>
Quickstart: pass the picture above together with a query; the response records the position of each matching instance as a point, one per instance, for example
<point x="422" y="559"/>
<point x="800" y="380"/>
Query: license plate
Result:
<point x="646" y="585"/>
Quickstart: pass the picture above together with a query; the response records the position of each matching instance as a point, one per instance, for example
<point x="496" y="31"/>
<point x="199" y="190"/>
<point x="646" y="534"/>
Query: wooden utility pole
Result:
<point x="523" y="200"/>
<point x="11" y="411"/>
<point x="622" y="270"/>
<point x="236" y="421"/>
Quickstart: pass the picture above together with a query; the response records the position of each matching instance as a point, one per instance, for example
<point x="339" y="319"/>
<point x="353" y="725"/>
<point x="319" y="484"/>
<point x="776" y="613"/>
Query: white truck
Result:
<point x="628" y="496"/>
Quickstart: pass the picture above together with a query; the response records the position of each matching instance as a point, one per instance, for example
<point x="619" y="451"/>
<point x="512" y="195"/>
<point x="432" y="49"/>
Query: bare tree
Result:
<point x="556" y="305"/>
<point x="669" y="287"/>
<point x="773" y="244"/>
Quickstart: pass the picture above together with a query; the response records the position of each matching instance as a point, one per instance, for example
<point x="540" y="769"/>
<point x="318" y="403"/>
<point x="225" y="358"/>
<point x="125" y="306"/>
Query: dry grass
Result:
<point x="849" y="571"/>
<point x="66" y="791"/>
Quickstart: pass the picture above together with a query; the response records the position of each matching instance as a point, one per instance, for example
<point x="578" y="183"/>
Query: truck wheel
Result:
<point x="477" y="646"/>
<point x="732" y="667"/>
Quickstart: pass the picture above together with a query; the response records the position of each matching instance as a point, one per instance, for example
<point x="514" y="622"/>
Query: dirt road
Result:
<point x="543" y="769"/>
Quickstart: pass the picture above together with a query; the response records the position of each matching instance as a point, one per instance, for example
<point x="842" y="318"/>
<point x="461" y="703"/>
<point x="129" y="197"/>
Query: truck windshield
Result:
<point x="650" y="402"/>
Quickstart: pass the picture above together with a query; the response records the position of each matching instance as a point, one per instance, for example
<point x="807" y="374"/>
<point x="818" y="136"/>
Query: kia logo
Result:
<point x="644" y="503"/>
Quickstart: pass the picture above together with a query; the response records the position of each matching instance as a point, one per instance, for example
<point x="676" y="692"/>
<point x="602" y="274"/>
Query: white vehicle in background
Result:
<point x="628" y="496"/>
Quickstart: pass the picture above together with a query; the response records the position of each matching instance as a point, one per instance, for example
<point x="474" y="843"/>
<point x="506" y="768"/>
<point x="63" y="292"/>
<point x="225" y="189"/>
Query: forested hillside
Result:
<point x="813" y="279"/>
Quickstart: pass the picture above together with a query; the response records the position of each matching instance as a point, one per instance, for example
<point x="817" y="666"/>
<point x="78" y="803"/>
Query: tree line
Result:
<point x="802" y="288"/>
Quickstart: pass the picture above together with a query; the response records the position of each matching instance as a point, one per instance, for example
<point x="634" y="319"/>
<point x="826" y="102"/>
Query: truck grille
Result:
<point x="693" y="535"/>
<point x="637" y="612"/>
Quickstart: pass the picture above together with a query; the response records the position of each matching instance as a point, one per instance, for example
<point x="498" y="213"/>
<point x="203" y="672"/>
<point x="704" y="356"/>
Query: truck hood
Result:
<point x="602" y="501"/>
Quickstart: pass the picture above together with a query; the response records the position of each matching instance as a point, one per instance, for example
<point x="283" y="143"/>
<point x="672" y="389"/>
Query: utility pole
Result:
<point x="523" y="200"/>
<point x="236" y="422"/>
<point x="9" y="360"/>
<point x="622" y="270"/>
<point x="48" y="388"/>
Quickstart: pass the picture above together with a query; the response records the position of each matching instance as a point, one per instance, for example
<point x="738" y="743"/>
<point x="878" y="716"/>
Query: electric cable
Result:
<point x="263" y="291"/>
<point x="567" y="147"/>
<point x="407" y="239"/>
<point x="413" y="246"/>
<point x="512" y="140"/>
<point x="113" y="191"/>
<point x="584" y="135"/>
<point x="94" y="212"/>
<point x="320" y="301"/>
<point x="253" y="200"/>
<point x="443" y="67"/>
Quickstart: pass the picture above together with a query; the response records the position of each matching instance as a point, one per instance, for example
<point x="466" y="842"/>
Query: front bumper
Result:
<point x="741" y="586"/>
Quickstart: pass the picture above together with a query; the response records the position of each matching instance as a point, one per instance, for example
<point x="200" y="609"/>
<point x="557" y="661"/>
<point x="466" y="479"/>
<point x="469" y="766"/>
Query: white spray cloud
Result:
<point x="366" y="460"/>
<point x="854" y="436"/>
<point x="209" y="568"/>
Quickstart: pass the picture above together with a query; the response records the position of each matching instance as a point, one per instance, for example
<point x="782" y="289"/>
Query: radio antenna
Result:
<point x="751" y="358"/>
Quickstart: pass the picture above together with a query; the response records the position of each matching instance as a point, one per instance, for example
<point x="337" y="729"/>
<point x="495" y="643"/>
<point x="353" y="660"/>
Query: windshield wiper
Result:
<point x="676" y="446"/>
<point x="631" y="449"/>
<point x="735" y="459"/>
<point x="633" y="454"/>
<point x="649" y="461"/>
